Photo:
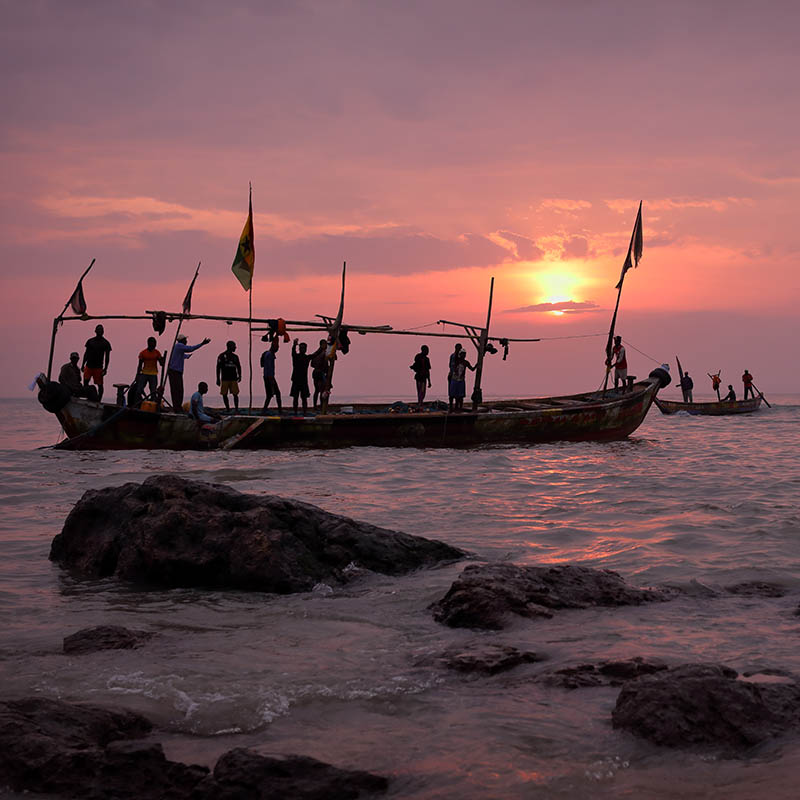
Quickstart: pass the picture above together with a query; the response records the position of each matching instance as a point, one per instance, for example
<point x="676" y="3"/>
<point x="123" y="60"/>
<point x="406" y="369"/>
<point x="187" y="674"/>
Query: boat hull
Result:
<point x="587" y="417"/>
<point x="710" y="409"/>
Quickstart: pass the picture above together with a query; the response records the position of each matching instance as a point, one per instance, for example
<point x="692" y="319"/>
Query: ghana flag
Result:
<point x="245" y="260"/>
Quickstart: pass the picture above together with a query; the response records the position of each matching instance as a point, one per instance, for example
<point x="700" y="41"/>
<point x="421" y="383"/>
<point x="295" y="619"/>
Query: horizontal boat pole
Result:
<point x="308" y="325"/>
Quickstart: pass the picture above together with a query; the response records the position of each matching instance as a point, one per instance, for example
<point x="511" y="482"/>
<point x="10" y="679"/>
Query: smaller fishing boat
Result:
<point x="715" y="409"/>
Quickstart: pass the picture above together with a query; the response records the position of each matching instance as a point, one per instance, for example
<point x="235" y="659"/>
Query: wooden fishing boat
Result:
<point x="715" y="409"/>
<point x="592" y="416"/>
<point x="605" y="415"/>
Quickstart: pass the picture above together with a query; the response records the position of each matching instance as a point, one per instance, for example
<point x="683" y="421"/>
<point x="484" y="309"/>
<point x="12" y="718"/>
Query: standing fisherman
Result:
<point x="270" y="384"/>
<point x="229" y="373"/>
<point x="716" y="382"/>
<point x="687" y="385"/>
<point x="95" y="360"/>
<point x="422" y="373"/>
<point x="620" y="363"/>
<point x="747" y="380"/>
<point x="319" y="369"/>
<point x="300" y="360"/>
<point x="180" y="352"/>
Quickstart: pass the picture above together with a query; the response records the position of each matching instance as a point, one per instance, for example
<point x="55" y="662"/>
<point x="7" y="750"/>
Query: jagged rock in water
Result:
<point x="104" y="637"/>
<point x="52" y="747"/>
<point x="487" y="659"/>
<point x="484" y="596"/>
<point x="607" y="673"/>
<point x="706" y="706"/>
<point x="241" y="774"/>
<point x="173" y="532"/>
<point x="83" y="751"/>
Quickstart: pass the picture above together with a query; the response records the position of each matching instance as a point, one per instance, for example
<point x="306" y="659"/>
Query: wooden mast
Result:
<point x="477" y="393"/>
<point x="631" y="260"/>
<point x="333" y="337"/>
<point x="60" y="318"/>
<point x="168" y="356"/>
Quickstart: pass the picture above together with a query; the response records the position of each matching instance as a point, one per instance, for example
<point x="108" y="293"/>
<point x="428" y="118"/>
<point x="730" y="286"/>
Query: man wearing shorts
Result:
<point x="95" y="360"/>
<point x="620" y="363"/>
<point x="229" y="373"/>
<point x="270" y="384"/>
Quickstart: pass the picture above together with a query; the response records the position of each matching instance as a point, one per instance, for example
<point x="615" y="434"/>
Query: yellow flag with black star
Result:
<point x="245" y="261"/>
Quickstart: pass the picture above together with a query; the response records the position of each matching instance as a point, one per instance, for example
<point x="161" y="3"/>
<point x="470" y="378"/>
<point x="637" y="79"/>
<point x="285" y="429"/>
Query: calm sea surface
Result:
<point x="344" y="675"/>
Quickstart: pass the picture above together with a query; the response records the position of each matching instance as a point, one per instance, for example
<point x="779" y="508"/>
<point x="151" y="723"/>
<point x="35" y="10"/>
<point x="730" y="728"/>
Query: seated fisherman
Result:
<point x="196" y="409"/>
<point x="731" y="396"/>
<point x="70" y="376"/>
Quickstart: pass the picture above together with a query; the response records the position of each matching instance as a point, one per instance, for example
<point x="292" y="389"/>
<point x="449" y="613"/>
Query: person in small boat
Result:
<point x="180" y="352"/>
<point x="422" y="374"/>
<point x="270" y="384"/>
<point x="716" y="382"/>
<point x="619" y="363"/>
<point x="300" y="362"/>
<point x="731" y="396"/>
<point x="229" y="373"/>
<point x="319" y="369"/>
<point x="747" y="380"/>
<point x="147" y="370"/>
<point x="95" y="360"/>
<point x="197" y="409"/>
<point x="687" y="385"/>
<point x="457" y="388"/>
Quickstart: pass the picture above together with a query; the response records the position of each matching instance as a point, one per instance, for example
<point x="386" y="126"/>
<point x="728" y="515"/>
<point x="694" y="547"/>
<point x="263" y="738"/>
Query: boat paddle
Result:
<point x="761" y="395"/>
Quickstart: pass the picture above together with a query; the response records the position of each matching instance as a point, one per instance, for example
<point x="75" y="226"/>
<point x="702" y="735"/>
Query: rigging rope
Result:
<point x="655" y="360"/>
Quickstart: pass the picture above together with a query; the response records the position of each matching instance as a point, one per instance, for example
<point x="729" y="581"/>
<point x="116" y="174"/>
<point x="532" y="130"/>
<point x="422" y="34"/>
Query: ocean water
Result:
<point x="345" y="675"/>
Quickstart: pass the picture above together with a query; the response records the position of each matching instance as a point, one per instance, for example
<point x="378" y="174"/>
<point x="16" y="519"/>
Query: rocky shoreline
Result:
<point x="170" y="532"/>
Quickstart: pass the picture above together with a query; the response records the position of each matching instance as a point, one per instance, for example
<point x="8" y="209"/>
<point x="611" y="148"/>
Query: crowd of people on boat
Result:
<point x="86" y="377"/>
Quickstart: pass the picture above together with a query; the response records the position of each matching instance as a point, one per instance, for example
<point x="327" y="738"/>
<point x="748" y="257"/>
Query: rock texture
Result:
<point x="52" y="747"/>
<point x="173" y="532"/>
<point x="607" y="673"/>
<point x="244" y="775"/>
<point x="757" y="589"/>
<point x="486" y="659"/>
<point x="484" y="596"/>
<point x="705" y="705"/>
<point x="81" y="751"/>
<point x="104" y="637"/>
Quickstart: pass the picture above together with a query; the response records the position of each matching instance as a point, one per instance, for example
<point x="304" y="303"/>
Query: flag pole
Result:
<point x="165" y="365"/>
<point x="333" y="338"/>
<point x="636" y="253"/>
<point x="250" y="341"/>
<point x="57" y="320"/>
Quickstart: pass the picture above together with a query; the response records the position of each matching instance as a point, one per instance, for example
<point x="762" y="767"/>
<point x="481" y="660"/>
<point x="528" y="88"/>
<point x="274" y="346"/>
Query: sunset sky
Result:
<point x="431" y="145"/>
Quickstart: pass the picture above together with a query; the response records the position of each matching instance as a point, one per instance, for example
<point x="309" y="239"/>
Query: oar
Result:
<point x="762" y="395"/>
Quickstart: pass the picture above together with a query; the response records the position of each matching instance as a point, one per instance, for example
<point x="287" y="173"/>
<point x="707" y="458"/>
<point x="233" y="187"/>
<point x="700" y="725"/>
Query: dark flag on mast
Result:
<point x="78" y="302"/>
<point x="634" y="249"/>
<point x="187" y="301"/>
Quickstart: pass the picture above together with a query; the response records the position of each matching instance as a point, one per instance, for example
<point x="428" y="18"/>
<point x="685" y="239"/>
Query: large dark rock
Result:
<point x="244" y="775"/>
<point x="705" y="705"/>
<point x="82" y="751"/>
<point x="484" y="596"/>
<point x="169" y="531"/>
<point x="52" y="747"/>
<point x="104" y="637"/>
